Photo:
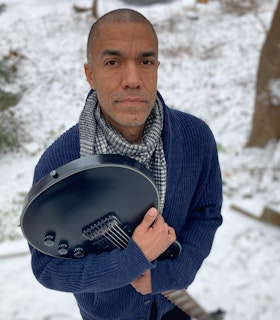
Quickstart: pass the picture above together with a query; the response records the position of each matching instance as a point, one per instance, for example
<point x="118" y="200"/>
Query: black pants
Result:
<point x="174" y="314"/>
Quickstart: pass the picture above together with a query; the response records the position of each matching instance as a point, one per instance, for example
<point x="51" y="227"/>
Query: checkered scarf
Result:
<point x="97" y="136"/>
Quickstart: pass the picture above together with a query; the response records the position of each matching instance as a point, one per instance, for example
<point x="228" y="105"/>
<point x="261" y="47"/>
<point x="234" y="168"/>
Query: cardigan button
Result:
<point x="147" y="302"/>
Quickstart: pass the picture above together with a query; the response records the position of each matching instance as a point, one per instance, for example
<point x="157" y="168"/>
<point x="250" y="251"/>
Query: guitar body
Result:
<point x="89" y="205"/>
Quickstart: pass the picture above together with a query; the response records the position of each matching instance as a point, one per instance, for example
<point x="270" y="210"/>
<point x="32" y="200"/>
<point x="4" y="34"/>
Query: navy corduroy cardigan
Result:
<point x="101" y="283"/>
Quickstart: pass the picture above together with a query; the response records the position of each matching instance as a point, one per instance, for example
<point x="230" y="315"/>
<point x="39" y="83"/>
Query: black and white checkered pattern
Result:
<point x="97" y="136"/>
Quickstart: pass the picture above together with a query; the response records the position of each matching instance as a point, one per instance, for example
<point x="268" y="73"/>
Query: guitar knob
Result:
<point x="62" y="248"/>
<point x="79" y="252"/>
<point x="49" y="239"/>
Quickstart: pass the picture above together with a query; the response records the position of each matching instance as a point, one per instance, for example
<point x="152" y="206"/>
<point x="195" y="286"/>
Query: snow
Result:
<point x="274" y="90"/>
<point x="209" y="62"/>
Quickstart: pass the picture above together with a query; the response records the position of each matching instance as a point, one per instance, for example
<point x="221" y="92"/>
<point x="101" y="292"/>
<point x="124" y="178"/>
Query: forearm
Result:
<point x="93" y="273"/>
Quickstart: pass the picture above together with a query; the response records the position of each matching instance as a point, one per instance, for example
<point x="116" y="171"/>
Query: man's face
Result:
<point x="123" y="72"/>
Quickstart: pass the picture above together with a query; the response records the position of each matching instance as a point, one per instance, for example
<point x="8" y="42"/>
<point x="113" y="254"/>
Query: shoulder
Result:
<point x="65" y="149"/>
<point x="185" y="127"/>
<point x="182" y="121"/>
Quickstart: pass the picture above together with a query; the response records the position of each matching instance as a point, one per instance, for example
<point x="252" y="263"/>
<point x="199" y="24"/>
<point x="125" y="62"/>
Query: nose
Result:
<point x="131" y="76"/>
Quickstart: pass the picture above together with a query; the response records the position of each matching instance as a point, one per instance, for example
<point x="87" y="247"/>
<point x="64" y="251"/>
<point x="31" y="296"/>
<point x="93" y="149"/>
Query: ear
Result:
<point x="89" y="75"/>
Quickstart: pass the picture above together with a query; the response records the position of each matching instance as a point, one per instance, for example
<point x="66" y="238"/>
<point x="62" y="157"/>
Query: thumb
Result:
<point x="150" y="217"/>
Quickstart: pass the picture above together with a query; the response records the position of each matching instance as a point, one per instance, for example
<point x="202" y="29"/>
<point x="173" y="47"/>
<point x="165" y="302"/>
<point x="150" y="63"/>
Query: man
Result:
<point x="124" y="114"/>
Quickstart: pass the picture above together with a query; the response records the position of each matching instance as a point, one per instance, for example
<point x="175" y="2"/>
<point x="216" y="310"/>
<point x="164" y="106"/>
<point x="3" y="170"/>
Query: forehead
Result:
<point x="124" y="36"/>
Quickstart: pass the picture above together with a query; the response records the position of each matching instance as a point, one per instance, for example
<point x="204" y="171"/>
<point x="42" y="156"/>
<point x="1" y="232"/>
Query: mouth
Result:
<point x="131" y="101"/>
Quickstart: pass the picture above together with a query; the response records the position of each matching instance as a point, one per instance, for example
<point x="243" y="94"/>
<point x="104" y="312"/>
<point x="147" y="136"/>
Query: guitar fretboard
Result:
<point x="187" y="304"/>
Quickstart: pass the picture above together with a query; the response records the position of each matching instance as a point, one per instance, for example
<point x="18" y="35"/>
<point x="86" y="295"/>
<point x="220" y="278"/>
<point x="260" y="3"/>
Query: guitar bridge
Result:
<point x="97" y="229"/>
<point x="108" y="228"/>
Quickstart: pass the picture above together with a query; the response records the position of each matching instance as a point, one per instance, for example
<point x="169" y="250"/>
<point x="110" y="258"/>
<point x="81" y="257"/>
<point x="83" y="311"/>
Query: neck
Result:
<point x="132" y="134"/>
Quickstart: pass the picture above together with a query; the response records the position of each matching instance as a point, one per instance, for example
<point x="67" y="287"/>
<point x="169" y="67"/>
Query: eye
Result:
<point x="147" y="62"/>
<point x="111" y="62"/>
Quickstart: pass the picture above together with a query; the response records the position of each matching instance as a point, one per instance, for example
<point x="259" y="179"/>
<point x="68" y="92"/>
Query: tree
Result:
<point x="93" y="9"/>
<point x="266" y="121"/>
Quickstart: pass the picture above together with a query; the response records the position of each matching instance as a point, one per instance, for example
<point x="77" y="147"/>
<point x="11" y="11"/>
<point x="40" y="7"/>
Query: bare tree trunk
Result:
<point x="94" y="9"/>
<point x="266" y="121"/>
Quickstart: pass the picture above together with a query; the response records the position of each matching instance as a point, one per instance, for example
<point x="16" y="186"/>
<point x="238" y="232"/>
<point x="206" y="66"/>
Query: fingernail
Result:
<point x="152" y="213"/>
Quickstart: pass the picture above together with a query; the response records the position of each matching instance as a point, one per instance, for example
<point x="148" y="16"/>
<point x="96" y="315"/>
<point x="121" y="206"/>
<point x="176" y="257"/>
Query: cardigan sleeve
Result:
<point x="93" y="273"/>
<point x="194" y="199"/>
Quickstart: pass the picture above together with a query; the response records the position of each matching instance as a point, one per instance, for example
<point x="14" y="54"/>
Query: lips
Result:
<point x="131" y="100"/>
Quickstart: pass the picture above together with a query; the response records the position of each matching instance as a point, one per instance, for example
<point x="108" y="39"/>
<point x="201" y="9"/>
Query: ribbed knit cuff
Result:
<point x="136" y="260"/>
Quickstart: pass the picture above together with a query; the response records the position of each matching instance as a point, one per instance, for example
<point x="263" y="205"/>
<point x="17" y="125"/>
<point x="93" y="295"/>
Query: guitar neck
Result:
<point x="187" y="304"/>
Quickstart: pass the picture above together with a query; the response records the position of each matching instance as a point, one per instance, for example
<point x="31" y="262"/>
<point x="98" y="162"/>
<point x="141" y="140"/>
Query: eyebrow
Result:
<point x="109" y="52"/>
<point x="116" y="53"/>
<point x="149" y="54"/>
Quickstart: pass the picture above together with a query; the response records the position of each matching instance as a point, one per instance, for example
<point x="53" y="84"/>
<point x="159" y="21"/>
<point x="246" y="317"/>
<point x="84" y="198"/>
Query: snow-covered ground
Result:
<point x="209" y="61"/>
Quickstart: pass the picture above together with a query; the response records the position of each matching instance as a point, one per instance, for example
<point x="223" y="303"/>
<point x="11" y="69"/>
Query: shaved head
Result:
<point x="116" y="17"/>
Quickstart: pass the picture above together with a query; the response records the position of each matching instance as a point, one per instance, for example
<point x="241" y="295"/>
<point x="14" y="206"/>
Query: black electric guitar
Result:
<point x="90" y="205"/>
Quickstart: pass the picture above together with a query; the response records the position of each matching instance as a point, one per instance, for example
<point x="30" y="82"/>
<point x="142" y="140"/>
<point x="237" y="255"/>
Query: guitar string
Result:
<point x="123" y="234"/>
<point x="112" y="241"/>
<point x="115" y="241"/>
<point x="119" y="238"/>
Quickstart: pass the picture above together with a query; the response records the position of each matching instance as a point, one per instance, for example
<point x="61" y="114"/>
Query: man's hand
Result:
<point x="143" y="284"/>
<point x="153" y="235"/>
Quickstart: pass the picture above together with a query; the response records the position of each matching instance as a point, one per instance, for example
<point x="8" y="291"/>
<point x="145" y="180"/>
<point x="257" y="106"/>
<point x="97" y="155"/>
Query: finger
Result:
<point x="160" y="224"/>
<point x="170" y="230"/>
<point x="171" y="234"/>
<point x="159" y="220"/>
<point x="150" y="218"/>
